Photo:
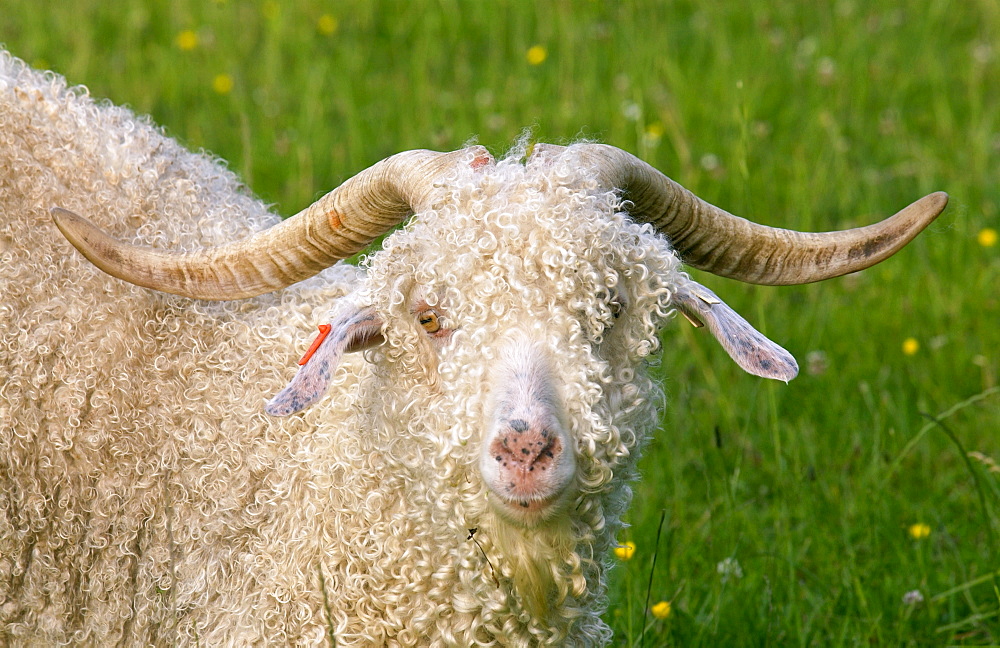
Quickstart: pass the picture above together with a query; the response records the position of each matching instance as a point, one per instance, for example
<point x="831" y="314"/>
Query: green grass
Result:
<point x="805" y="115"/>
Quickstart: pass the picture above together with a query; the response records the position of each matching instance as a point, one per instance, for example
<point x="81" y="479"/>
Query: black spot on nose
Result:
<point x="524" y="451"/>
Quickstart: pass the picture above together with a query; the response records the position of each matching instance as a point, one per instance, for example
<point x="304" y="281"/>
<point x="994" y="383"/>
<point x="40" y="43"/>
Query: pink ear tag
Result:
<point x="324" y="330"/>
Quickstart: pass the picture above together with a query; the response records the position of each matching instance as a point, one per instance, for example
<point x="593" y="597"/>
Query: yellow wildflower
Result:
<point x="654" y="130"/>
<point x="187" y="40"/>
<point x="625" y="550"/>
<point x="987" y="237"/>
<point x="919" y="531"/>
<point x="910" y="346"/>
<point x="222" y="83"/>
<point x="327" y="25"/>
<point x="537" y="54"/>
<point x="661" y="610"/>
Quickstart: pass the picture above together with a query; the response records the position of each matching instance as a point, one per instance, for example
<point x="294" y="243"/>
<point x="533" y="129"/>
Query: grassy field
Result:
<point x="841" y="510"/>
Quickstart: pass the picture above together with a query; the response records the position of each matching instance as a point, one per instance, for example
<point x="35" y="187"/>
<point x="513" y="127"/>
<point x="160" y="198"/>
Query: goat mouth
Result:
<point x="528" y="509"/>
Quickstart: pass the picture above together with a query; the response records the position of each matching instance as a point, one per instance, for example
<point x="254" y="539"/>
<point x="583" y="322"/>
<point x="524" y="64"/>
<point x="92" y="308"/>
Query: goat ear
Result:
<point x="753" y="352"/>
<point x="356" y="329"/>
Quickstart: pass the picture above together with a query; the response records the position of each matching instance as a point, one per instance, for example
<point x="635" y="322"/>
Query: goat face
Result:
<point x="551" y="299"/>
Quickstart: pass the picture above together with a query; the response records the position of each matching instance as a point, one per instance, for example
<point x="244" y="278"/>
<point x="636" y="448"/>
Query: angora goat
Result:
<point x="146" y="497"/>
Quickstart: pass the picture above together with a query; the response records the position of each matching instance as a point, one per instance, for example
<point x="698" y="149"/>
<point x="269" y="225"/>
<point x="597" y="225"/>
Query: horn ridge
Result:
<point x="709" y="238"/>
<point x="338" y="225"/>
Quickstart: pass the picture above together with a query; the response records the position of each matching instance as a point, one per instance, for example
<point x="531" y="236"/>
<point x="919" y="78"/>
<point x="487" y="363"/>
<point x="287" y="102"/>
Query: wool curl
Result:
<point x="145" y="498"/>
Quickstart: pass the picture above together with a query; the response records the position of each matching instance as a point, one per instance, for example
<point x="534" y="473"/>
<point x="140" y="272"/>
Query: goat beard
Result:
<point x="541" y="563"/>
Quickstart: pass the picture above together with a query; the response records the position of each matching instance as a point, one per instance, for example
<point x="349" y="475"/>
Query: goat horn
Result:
<point x="709" y="238"/>
<point x="336" y="226"/>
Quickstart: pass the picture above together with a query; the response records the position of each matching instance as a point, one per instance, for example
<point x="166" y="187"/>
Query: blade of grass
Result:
<point x="954" y="409"/>
<point x="652" y="568"/>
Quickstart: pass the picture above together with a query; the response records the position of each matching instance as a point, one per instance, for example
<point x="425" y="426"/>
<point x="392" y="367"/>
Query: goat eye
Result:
<point x="617" y="304"/>
<point x="616" y="307"/>
<point x="429" y="320"/>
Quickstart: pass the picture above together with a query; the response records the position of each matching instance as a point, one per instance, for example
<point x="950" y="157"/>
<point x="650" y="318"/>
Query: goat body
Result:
<point x="486" y="370"/>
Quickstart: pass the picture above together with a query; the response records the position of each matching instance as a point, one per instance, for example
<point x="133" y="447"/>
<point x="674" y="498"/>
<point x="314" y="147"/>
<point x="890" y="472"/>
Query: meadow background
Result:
<point x="843" y="509"/>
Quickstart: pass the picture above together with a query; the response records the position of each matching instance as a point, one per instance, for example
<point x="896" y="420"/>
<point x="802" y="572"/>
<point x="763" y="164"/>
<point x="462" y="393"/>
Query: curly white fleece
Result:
<point x="145" y="498"/>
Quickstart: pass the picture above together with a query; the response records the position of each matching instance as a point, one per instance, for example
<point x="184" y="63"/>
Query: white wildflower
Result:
<point x="729" y="569"/>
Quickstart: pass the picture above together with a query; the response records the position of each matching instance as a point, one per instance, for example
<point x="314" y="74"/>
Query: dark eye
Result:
<point x="616" y="306"/>
<point x="617" y="303"/>
<point x="429" y="320"/>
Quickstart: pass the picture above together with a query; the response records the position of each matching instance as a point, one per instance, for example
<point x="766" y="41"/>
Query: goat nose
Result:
<point x="520" y="446"/>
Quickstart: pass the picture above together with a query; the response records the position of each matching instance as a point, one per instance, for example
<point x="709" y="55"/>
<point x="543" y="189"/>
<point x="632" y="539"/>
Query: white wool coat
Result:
<point x="145" y="497"/>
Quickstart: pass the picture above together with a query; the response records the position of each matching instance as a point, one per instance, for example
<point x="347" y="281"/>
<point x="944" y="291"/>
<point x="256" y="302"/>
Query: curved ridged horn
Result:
<point x="711" y="239"/>
<point x="339" y="224"/>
